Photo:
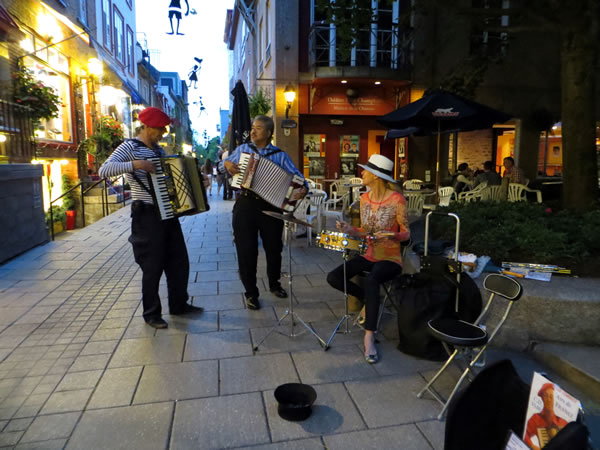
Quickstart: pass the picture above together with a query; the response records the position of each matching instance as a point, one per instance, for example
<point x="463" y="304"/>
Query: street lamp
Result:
<point x="290" y="95"/>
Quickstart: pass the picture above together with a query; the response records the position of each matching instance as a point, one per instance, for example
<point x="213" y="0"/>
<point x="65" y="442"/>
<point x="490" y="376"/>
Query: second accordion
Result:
<point x="268" y="180"/>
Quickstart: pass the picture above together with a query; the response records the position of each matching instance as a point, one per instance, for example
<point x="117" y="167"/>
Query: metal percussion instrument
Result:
<point x="341" y="242"/>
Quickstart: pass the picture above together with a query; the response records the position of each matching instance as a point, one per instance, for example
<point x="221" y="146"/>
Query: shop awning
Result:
<point x="9" y="26"/>
<point x="135" y="96"/>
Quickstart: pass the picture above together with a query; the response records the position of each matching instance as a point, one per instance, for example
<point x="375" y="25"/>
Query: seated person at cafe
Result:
<point x="512" y="172"/>
<point x="383" y="220"/>
<point x="462" y="179"/>
<point x="489" y="175"/>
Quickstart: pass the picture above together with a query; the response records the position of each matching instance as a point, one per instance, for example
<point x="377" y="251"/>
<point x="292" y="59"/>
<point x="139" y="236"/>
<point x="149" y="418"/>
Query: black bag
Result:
<point x="422" y="297"/>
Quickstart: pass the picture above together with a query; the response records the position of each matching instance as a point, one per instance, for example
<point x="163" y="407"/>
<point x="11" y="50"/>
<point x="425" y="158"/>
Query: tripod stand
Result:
<point x="294" y="316"/>
<point x="346" y="317"/>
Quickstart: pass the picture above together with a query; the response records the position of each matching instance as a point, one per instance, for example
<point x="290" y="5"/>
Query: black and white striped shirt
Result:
<point x="121" y="162"/>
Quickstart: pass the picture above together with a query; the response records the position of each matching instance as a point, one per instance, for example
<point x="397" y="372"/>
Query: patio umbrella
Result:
<point x="442" y="112"/>
<point x="240" y="117"/>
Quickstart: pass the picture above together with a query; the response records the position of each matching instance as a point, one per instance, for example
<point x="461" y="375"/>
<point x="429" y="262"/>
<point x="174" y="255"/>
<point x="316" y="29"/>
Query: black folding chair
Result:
<point x="465" y="336"/>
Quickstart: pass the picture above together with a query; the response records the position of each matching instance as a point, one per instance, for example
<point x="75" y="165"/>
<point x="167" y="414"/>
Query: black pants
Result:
<point x="378" y="273"/>
<point x="158" y="246"/>
<point x="248" y="222"/>
<point x="227" y="191"/>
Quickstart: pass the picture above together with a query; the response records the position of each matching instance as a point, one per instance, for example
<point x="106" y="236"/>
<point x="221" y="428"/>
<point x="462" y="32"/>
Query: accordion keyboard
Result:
<point x="161" y="190"/>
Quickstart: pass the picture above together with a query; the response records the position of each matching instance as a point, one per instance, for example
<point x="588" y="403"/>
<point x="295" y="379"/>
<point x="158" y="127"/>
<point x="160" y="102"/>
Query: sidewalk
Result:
<point x="80" y="369"/>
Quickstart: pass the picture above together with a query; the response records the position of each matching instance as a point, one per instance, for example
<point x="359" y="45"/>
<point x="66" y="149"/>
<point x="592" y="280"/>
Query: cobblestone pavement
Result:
<point x="80" y="369"/>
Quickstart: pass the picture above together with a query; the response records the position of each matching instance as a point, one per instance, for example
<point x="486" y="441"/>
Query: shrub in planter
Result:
<point x="69" y="200"/>
<point x="59" y="214"/>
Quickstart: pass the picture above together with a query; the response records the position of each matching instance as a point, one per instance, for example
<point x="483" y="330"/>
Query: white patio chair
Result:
<point x="412" y="184"/>
<point x="518" y="193"/>
<point x="472" y="195"/>
<point x="492" y="193"/>
<point x="414" y="204"/>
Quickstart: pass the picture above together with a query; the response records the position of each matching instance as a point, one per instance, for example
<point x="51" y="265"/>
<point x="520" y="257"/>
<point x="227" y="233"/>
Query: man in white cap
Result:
<point x="384" y="224"/>
<point x="158" y="245"/>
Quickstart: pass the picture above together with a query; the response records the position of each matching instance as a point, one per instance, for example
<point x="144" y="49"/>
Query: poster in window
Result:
<point x="402" y="148"/>
<point x="316" y="167"/>
<point x="314" y="144"/>
<point x="348" y="166"/>
<point x="349" y="145"/>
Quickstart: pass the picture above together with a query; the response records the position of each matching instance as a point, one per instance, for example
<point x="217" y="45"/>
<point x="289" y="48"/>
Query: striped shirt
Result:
<point x="121" y="162"/>
<point x="280" y="158"/>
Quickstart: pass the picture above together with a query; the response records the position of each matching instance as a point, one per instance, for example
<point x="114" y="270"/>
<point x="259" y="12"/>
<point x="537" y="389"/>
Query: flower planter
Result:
<point x="58" y="227"/>
<point x="71" y="219"/>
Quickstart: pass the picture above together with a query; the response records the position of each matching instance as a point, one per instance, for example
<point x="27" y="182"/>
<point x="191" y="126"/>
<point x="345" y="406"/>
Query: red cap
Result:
<point x="545" y="387"/>
<point x="154" y="118"/>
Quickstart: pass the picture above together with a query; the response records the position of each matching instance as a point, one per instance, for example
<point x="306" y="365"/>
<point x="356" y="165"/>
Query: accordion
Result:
<point x="268" y="180"/>
<point x="177" y="187"/>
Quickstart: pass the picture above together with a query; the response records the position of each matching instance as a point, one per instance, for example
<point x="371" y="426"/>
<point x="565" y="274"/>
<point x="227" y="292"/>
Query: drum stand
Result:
<point x="346" y="317"/>
<point x="290" y="310"/>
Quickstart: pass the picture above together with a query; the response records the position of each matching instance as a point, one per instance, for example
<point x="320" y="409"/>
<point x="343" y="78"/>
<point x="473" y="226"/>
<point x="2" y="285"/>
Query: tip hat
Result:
<point x="154" y="118"/>
<point x="380" y="166"/>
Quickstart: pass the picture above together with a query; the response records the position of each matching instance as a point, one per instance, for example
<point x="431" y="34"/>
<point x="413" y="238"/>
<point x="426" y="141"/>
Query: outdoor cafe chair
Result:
<point x="492" y="193"/>
<point x="414" y="203"/>
<point x="472" y="195"/>
<point x="518" y="193"/>
<point x="337" y="189"/>
<point x="446" y="194"/>
<point x="412" y="184"/>
<point x="330" y="207"/>
<point x="467" y="338"/>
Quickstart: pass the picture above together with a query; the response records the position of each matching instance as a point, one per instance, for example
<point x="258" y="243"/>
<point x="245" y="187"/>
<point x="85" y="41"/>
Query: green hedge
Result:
<point x="524" y="232"/>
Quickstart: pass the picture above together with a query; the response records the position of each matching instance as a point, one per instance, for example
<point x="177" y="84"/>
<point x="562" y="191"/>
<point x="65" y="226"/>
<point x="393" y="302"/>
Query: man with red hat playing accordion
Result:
<point x="158" y="245"/>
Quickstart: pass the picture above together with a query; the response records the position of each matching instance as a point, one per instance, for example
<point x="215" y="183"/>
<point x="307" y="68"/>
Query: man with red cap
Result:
<point x="545" y="419"/>
<point x="158" y="245"/>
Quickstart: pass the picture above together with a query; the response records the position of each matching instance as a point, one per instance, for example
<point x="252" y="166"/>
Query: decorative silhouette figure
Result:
<point x="192" y="76"/>
<point x="175" y="11"/>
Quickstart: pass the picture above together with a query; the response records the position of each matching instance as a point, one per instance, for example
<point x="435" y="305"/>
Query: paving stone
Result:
<point x="302" y="444"/>
<point x="280" y="341"/>
<point x="256" y="373"/>
<point x="332" y="412"/>
<point x="199" y="323"/>
<point x="10" y="438"/>
<point x="158" y="350"/>
<point x="18" y="424"/>
<point x="54" y="444"/>
<point x="219" y="302"/>
<point x="203" y="288"/>
<point x="90" y="362"/>
<point x="245" y="318"/>
<point x="392" y="361"/>
<point x="99" y="347"/>
<point x="107" y="334"/>
<point x="178" y="381"/>
<point x="139" y="329"/>
<point x="338" y="364"/>
<point x="312" y="312"/>
<point x="53" y="426"/>
<point x="406" y="437"/>
<point x="140" y="426"/>
<point x="220" y="422"/>
<point x="392" y="400"/>
<point x="221" y="344"/>
<point x="116" y="388"/>
<point x="79" y="380"/>
<point x="67" y="401"/>
<point x="434" y="432"/>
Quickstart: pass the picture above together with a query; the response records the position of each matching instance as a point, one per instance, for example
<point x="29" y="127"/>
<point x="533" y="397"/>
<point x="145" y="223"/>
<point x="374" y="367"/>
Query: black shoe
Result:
<point x="187" y="309"/>
<point x="157" y="323"/>
<point x="278" y="291"/>
<point x="252" y="302"/>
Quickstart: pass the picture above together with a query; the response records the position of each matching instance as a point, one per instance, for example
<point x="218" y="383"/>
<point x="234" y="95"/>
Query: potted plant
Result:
<point x="69" y="203"/>
<point x="107" y="136"/>
<point x="42" y="101"/>
<point x="59" y="218"/>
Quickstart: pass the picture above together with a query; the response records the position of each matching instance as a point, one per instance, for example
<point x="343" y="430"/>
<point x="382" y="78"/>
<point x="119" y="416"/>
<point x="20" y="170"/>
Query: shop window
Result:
<point x="106" y="25"/>
<point x="486" y="39"/>
<point x="119" y="41"/>
<point x="83" y="10"/>
<point x="58" y="128"/>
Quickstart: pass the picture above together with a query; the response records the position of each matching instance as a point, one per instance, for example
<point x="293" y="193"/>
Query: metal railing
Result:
<point x="106" y="184"/>
<point x="17" y="127"/>
<point x="392" y="49"/>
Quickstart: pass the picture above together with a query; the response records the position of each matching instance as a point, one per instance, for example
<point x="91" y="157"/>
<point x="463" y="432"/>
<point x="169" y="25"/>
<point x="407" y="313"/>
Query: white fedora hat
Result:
<point x="380" y="166"/>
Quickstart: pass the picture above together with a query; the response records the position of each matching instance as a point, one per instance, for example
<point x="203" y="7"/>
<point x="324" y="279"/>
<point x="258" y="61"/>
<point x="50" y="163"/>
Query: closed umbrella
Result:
<point x="443" y="112"/>
<point x="240" y="117"/>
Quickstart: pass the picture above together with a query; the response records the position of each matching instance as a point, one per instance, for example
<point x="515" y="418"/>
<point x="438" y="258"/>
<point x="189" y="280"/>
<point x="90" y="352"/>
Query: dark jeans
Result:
<point x="227" y="191"/>
<point x="248" y="222"/>
<point x="377" y="273"/>
<point x="158" y="246"/>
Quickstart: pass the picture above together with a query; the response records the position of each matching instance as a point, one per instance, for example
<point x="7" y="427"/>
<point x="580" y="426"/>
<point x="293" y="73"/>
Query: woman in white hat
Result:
<point x="384" y="223"/>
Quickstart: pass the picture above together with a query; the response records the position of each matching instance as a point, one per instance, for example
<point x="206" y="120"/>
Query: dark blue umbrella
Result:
<point x="442" y="112"/>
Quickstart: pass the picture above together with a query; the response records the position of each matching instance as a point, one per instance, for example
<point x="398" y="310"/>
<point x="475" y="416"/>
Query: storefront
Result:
<point x="338" y="125"/>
